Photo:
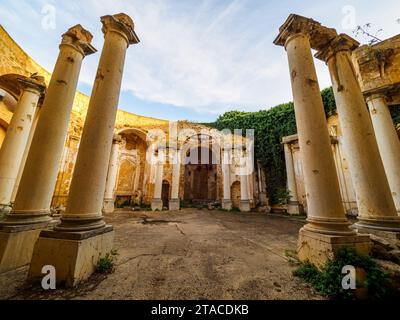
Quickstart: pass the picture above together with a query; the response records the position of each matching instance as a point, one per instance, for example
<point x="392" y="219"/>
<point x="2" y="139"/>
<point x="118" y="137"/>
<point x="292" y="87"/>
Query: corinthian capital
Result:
<point x="122" y="24"/>
<point x="80" y="39"/>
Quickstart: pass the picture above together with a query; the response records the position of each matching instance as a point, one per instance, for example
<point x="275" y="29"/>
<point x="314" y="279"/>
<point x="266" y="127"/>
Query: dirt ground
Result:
<point x="193" y="254"/>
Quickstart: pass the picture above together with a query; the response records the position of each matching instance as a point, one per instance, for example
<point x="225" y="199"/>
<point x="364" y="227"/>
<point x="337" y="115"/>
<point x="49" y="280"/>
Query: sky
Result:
<point x="197" y="58"/>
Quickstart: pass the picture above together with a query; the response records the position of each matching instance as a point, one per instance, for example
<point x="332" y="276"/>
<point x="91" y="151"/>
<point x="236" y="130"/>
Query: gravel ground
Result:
<point x="193" y="254"/>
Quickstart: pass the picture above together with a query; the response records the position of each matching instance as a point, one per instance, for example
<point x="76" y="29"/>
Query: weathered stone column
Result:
<point x="83" y="234"/>
<point x="226" y="173"/>
<point x="327" y="228"/>
<point x="157" y="203"/>
<point x="293" y="206"/>
<point x="16" y="140"/>
<point x="377" y="212"/>
<point x="31" y="209"/>
<point x="174" y="202"/>
<point x="244" y="186"/>
<point x="264" y="201"/>
<point x="109" y="200"/>
<point x="388" y="143"/>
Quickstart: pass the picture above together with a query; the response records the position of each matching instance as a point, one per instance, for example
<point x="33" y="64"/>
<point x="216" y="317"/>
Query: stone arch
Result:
<point x="235" y="194"/>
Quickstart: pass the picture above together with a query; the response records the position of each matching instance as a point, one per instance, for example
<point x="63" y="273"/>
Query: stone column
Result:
<point x="16" y="140"/>
<point x="293" y="206"/>
<point x="327" y="227"/>
<point x="377" y="212"/>
<point x="108" y="206"/>
<point x="388" y="143"/>
<point x="83" y="232"/>
<point x="226" y="173"/>
<point x="157" y="203"/>
<point x="174" y="203"/>
<point x="26" y="152"/>
<point x="244" y="186"/>
<point x="32" y="204"/>
<point x="262" y="186"/>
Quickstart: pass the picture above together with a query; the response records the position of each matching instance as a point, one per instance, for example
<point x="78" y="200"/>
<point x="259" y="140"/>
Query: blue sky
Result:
<point x="197" y="58"/>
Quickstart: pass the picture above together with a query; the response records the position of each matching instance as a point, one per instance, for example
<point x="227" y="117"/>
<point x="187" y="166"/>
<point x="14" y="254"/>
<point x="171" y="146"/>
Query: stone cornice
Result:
<point x="34" y="83"/>
<point x="342" y="42"/>
<point x="319" y="35"/>
<point x="80" y="39"/>
<point x="122" y="24"/>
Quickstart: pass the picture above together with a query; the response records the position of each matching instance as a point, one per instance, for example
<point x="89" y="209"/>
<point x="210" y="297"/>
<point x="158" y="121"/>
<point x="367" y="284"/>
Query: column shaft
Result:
<point x="325" y="211"/>
<point x="174" y="203"/>
<point x="33" y="199"/>
<point x="375" y="203"/>
<point x="111" y="177"/>
<point x="15" y="142"/>
<point x="291" y="176"/>
<point x="85" y="200"/>
<point x="388" y="143"/>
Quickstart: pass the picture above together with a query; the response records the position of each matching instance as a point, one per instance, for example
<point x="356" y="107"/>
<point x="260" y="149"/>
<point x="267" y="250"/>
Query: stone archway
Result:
<point x="165" y="194"/>
<point x="235" y="194"/>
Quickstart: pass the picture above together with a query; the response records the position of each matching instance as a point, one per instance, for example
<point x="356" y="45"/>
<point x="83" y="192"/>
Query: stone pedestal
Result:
<point x="174" y="205"/>
<point x="319" y="248"/>
<point x="108" y="206"/>
<point x="157" y="205"/>
<point x="16" y="248"/>
<point x="294" y="208"/>
<point x="227" y="205"/>
<point x="245" y="206"/>
<point x="80" y="253"/>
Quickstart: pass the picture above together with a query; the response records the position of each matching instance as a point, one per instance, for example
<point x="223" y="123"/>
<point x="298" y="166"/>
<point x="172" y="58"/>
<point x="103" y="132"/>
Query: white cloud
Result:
<point x="209" y="56"/>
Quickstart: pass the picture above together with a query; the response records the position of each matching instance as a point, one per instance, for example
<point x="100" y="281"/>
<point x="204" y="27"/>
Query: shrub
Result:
<point x="328" y="281"/>
<point x="107" y="264"/>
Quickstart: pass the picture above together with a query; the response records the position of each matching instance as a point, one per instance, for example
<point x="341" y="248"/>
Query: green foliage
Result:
<point x="395" y="111"/>
<point x="270" y="127"/>
<point x="107" y="264"/>
<point x="328" y="281"/>
<point x="282" y="196"/>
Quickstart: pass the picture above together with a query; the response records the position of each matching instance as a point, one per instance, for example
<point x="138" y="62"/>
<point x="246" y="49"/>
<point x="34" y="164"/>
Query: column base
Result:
<point x="5" y="209"/>
<point x="319" y="248"/>
<point x="157" y="205"/>
<point x="227" y="205"/>
<point x="81" y="252"/>
<point x="108" y="206"/>
<point x="174" y="205"/>
<point x="264" y="201"/>
<point x="16" y="245"/>
<point x="294" y="208"/>
<point x="385" y="224"/>
<point x="245" y="206"/>
<point x="385" y="233"/>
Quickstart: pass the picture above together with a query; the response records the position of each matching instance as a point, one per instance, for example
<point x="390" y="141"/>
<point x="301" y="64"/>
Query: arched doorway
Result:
<point x="131" y="186"/>
<point x="165" y="195"/>
<point x="201" y="177"/>
<point x="235" y="194"/>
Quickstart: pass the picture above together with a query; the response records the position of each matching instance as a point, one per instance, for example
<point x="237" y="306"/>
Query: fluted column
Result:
<point x="293" y="206"/>
<point x="85" y="200"/>
<point x="388" y="143"/>
<point x="16" y="140"/>
<point x="108" y="206"/>
<point x="174" y="203"/>
<point x="374" y="199"/>
<point x="33" y="199"/>
<point x="244" y="186"/>
<point x="226" y="173"/>
<point x="157" y="203"/>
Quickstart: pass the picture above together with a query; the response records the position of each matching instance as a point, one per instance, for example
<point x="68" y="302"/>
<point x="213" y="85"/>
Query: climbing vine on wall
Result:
<point x="270" y="127"/>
